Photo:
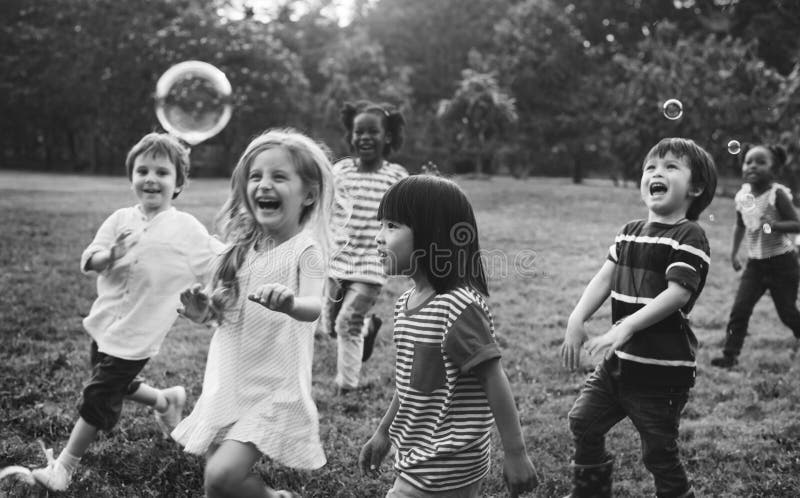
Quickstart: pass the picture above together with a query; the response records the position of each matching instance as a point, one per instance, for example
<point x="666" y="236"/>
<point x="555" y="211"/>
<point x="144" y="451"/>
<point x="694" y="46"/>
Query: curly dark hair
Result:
<point x="392" y="119"/>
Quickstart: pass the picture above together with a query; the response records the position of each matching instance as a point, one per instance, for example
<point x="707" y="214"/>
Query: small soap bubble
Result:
<point x="193" y="101"/>
<point x="747" y="202"/>
<point x="673" y="109"/>
<point x="734" y="147"/>
<point x="712" y="218"/>
<point x="766" y="228"/>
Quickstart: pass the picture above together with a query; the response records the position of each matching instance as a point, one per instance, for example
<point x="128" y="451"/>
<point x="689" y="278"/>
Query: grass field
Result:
<point x="740" y="433"/>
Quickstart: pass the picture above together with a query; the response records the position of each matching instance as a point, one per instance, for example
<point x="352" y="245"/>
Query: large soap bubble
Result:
<point x="672" y="109"/>
<point x="193" y="101"/>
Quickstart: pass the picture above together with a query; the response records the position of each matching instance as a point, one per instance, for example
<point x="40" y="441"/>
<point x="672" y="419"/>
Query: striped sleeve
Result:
<point x="689" y="260"/>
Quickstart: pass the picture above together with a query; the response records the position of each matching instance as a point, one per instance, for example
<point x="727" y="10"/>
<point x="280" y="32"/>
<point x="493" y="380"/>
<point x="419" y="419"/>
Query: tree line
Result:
<point x="525" y="86"/>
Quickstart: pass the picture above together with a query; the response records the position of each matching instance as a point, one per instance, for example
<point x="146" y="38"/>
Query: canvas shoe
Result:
<point x="176" y="396"/>
<point x="55" y="476"/>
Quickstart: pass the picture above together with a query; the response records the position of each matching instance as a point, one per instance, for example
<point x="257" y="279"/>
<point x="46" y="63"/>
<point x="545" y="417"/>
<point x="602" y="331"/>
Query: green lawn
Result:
<point x="544" y="239"/>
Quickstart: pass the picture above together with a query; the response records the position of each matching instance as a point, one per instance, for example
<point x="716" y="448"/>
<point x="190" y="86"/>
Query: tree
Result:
<point x="480" y="113"/>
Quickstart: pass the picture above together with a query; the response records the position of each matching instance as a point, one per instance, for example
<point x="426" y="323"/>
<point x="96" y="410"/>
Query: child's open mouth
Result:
<point x="658" y="188"/>
<point x="268" y="204"/>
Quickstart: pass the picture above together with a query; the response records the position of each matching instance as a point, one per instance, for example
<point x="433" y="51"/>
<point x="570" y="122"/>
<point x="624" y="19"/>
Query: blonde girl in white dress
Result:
<point x="264" y="298"/>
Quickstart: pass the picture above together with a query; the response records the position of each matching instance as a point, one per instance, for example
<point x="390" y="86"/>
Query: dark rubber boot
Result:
<point x="592" y="481"/>
<point x="369" y="340"/>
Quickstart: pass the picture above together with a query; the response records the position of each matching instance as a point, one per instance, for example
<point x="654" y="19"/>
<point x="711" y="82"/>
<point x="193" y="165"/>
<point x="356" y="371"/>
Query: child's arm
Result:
<point x="738" y="235"/>
<point x="788" y="222"/>
<point x="375" y="450"/>
<point x="307" y="304"/>
<point x="518" y="470"/>
<point x="593" y="296"/>
<point x="664" y="304"/>
<point x="104" y="258"/>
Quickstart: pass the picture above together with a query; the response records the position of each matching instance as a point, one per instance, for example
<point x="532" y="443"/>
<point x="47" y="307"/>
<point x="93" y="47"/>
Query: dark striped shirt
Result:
<point x="443" y="422"/>
<point x="647" y="257"/>
<point x="356" y="256"/>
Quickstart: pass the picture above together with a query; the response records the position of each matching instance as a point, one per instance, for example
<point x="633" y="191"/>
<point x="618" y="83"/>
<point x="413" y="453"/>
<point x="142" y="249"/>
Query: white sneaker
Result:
<point x="176" y="397"/>
<point x="53" y="477"/>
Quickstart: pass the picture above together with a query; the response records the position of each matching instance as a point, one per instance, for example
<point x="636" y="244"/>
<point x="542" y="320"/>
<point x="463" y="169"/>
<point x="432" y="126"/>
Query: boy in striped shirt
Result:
<point x="654" y="273"/>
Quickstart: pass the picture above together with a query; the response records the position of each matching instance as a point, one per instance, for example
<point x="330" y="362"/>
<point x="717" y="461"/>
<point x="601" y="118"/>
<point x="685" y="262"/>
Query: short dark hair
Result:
<point x="392" y="119"/>
<point x="704" y="171"/>
<point x="446" y="243"/>
<point x="162" y="144"/>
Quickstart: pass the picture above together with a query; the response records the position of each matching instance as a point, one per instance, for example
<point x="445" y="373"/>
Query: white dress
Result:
<point x="257" y="383"/>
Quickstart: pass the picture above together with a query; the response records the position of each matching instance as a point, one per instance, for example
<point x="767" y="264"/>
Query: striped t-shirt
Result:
<point x="751" y="211"/>
<point x="648" y="255"/>
<point x="443" y="422"/>
<point x="356" y="256"/>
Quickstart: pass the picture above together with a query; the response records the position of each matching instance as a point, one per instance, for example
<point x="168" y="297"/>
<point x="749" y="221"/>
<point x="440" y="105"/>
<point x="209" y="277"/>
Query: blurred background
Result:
<point x="512" y="87"/>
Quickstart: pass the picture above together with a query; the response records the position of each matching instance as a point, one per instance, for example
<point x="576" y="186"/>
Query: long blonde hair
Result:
<point x="237" y="222"/>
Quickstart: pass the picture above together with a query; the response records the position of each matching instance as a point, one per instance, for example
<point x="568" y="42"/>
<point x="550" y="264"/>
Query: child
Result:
<point x="265" y="296"/>
<point x="356" y="275"/>
<point x="655" y="271"/>
<point x="764" y="213"/>
<point x="144" y="256"/>
<point x="449" y="381"/>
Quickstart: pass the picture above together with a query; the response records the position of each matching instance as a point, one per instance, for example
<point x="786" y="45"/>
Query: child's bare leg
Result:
<point x="80" y="438"/>
<point x="150" y="396"/>
<point x="229" y="472"/>
<point x="168" y="404"/>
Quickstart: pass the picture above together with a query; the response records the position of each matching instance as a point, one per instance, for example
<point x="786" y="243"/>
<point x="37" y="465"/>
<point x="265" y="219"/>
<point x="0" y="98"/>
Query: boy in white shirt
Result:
<point x="144" y="256"/>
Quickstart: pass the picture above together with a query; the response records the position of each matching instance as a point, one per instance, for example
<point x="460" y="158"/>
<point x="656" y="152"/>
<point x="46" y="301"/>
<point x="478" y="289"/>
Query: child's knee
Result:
<point x="99" y="410"/>
<point x="351" y="318"/>
<point x="219" y="479"/>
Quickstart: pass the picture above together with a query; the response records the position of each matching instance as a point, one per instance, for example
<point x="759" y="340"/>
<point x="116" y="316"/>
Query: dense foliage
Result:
<point x="584" y="80"/>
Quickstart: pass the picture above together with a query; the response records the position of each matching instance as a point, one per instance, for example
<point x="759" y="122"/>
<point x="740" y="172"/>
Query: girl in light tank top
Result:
<point x="765" y="218"/>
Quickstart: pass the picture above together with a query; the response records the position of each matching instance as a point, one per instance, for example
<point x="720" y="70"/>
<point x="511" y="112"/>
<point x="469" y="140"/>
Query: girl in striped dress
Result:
<point x="374" y="132"/>
<point x="265" y="296"/>
<point x="450" y="387"/>
<point x="764" y="219"/>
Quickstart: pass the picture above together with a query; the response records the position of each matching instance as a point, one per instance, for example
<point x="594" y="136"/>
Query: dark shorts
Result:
<point x="112" y="379"/>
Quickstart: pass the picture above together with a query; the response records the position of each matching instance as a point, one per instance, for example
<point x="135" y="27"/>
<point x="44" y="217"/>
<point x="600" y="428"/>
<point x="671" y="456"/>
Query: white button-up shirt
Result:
<point x="137" y="297"/>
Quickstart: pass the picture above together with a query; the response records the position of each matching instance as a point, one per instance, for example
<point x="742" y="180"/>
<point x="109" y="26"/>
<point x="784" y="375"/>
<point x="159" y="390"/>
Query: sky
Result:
<point x="264" y="8"/>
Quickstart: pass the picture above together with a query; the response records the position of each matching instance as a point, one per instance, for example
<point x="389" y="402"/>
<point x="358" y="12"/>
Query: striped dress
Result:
<point x="648" y="255"/>
<point x="443" y="422"/>
<point x="357" y="258"/>
<point x="257" y="383"/>
<point x="762" y="245"/>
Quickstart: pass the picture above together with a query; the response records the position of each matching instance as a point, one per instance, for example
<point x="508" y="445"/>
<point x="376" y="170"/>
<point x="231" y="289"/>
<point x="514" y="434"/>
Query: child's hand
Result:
<point x="195" y="304"/>
<point x="737" y="265"/>
<point x="610" y="341"/>
<point x="571" y="348"/>
<point x="121" y="246"/>
<point x="519" y="474"/>
<point x="276" y="297"/>
<point x="373" y="453"/>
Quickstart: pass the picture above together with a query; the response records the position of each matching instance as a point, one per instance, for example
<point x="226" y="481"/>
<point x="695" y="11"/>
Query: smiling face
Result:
<point x="153" y="180"/>
<point x="757" y="167"/>
<point x="369" y="138"/>
<point x="396" y="248"/>
<point x="666" y="187"/>
<point x="276" y="195"/>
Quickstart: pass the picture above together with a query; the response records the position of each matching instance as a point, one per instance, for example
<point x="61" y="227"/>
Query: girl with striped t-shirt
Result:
<point x="356" y="275"/>
<point x="449" y="381"/>
<point x="764" y="218"/>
